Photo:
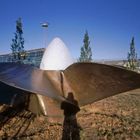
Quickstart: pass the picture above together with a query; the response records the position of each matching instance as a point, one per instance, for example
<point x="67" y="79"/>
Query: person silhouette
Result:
<point x="71" y="129"/>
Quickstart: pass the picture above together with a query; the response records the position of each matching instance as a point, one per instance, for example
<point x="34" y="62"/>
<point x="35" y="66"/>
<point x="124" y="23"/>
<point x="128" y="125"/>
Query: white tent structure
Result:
<point x="56" y="56"/>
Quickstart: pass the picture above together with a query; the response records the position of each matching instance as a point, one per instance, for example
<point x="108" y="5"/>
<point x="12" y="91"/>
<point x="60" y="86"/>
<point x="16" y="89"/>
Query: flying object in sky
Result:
<point x="58" y="76"/>
<point x="45" y="24"/>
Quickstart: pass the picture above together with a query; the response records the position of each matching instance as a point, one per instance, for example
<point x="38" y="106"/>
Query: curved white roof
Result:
<point x="56" y="56"/>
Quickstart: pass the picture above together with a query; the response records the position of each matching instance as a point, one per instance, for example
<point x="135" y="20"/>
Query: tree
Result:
<point x="86" y="53"/>
<point x="17" y="45"/>
<point x="132" y="56"/>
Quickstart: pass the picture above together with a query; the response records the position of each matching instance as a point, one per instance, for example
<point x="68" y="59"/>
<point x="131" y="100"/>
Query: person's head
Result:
<point x="70" y="96"/>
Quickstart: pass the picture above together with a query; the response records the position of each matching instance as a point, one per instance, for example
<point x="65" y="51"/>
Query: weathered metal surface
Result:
<point x="88" y="82"/>
<point x="18" y="81"/>
<point x="92" y="82"/>
<point x="30" y="79"/>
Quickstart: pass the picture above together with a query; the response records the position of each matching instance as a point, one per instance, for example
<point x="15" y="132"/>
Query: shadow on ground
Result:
<point x="18" y="125"/>
<point x="71" y="129"/>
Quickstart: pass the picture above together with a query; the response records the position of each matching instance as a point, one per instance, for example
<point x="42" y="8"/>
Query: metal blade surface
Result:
<point x="92" y="82"/>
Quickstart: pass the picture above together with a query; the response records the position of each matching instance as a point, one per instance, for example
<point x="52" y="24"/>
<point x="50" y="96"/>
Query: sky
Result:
<point x="111" y="24"/>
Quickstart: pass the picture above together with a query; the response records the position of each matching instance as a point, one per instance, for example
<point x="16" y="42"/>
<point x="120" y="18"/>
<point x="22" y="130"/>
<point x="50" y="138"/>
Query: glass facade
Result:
<point x="33" y="57"/>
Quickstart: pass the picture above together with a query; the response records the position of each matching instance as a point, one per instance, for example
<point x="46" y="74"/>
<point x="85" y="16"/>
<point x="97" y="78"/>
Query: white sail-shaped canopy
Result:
<point x="56" y="56"/>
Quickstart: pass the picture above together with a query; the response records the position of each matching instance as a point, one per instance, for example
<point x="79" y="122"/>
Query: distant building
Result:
<point x="6" y="57"/>
<point x="121" y="62"/>
<point x="33" y="57"/>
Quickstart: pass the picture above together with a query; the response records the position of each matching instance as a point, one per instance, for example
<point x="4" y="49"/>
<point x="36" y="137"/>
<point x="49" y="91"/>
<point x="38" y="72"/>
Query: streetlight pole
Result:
<point x="45" y="26"/>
